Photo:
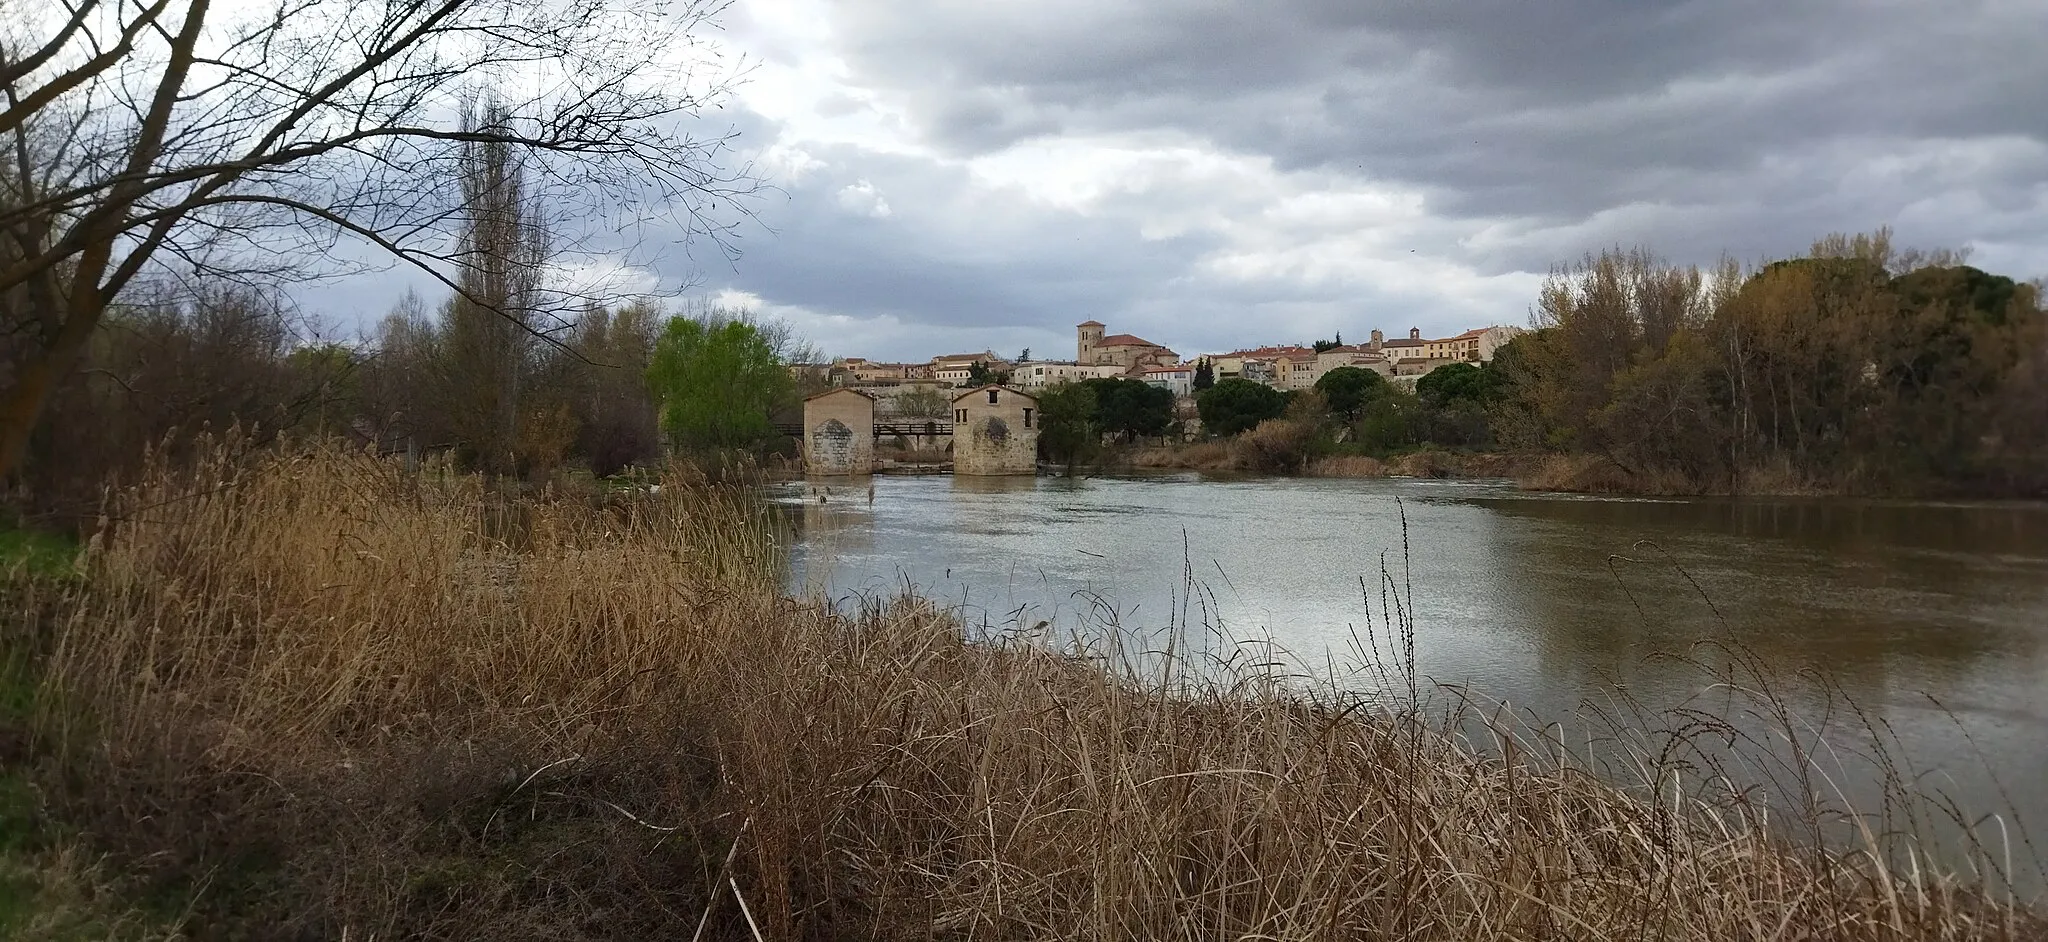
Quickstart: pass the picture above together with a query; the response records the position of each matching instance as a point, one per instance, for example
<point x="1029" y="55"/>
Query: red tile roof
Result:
<point x="1089" y="324"/>
<point x="1125" y="340"/>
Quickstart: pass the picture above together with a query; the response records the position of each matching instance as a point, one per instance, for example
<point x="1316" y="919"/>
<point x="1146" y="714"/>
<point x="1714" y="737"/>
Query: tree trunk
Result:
<point x="21" y="404"/>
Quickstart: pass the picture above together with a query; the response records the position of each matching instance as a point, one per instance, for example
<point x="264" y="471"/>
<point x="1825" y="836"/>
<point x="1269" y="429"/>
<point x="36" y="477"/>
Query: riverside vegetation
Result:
<point x="1860" y="368"/>
<point x="307" y="692"/>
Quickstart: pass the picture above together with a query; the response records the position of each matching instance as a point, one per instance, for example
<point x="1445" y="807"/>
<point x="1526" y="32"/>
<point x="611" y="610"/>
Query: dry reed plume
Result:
<point x="423" y="709"/>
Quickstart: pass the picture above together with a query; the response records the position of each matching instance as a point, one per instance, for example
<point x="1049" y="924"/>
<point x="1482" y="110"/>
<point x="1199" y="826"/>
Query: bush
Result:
<point x="1277" y="446"/>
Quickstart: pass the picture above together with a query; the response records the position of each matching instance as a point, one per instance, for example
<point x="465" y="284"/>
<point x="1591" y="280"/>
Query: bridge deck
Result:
<point x="906" y="429"/>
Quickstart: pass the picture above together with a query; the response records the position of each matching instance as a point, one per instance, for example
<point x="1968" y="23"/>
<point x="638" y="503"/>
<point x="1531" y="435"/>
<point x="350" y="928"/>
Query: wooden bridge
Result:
<point x="926" y="429"/>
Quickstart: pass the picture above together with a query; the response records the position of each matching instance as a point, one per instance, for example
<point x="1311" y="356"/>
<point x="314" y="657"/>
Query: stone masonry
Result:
<point x="995" y="431"/>
<point x="839" y="433"/>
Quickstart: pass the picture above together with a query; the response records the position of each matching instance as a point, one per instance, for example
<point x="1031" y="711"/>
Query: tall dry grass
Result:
<point x="390" y="705"/>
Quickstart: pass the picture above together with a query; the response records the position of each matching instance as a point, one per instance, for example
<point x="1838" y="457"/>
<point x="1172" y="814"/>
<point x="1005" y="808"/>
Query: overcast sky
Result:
<point x="1208" y="175"/>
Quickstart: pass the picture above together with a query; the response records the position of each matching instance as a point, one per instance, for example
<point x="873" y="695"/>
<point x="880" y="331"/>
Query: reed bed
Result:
<point x="331" y="697"/>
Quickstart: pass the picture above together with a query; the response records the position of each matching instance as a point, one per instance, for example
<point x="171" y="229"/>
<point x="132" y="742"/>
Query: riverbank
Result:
<point x="1230" y="455"/>
<point x="322" y="697"/>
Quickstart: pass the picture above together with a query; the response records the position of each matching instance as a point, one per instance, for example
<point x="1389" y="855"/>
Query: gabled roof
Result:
<point x="842" y="389"/>
<point x="1008" y="389"/>
<point x="1090" y="324"/>
<point x="1126" y="340"/>
<point x="1403" y="342"/>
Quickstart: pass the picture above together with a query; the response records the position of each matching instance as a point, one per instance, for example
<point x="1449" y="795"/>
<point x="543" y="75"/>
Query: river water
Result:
<point x="1930" y="618"/>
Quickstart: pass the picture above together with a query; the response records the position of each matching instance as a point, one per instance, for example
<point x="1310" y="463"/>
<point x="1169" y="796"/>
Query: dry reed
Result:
<point x="448" y="713"/>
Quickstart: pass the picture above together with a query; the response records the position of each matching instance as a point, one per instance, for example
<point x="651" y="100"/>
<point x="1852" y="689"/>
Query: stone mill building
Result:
<point x="995" y="431"/>
<point x="839" y="432"/>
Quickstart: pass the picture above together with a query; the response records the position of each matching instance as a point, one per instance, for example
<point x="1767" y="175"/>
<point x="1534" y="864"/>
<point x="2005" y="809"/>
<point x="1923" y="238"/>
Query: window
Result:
<point x="960" y="415"/>
<point x="991" y="397"/>
<point x="1027" y="418"/>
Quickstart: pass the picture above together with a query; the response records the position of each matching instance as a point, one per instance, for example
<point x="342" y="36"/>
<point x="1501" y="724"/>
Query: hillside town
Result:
<point x="1100" y="354"/>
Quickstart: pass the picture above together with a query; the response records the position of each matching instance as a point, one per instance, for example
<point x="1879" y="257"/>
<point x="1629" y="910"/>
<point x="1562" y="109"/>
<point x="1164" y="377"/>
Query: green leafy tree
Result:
<point x="1130" y="408"/>
<point x="978" y="374"/>
<point x="1236" y="405"/>
<point x="1459" y="382"/>
<point x="718" y="380"/>
<point x="1067" y="431"/>
<point x="1205" y="374"/>
<point x="1348" y="388"/>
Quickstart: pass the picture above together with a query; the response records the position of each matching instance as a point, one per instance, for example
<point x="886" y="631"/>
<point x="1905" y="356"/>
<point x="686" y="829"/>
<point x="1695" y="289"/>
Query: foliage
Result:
<point x="1238" y="405"/>
<point x="1276" y="446"/>
<point x="172" y="141"/>
<point x="1857" y="367"/>
<point x="1459" y="382"/>
<point x="1205" y="374"/>
<point x="1068" y="433"/>
<point x="922" y="402"/>
<point x="1348" y="388"/>
<point x="1130" y="408"/>
<point x="717" y="380"/>
<point x="34" y="554"/>
<point x="978" y="374"/>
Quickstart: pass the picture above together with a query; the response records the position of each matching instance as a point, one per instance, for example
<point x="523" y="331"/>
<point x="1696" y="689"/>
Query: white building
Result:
<point x="1038" y="374"/>
<point x="1179" y="380"/>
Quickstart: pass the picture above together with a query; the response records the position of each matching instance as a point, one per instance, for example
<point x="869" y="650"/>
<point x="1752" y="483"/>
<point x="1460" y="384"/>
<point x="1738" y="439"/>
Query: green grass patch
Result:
<point x="33" y="553"/>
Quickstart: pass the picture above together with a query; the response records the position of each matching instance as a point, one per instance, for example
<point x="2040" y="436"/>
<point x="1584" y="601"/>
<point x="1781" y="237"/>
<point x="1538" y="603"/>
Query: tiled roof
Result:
<point x="1089" y="324"/>
<point x="837" y="391"/>
<point x="1125" y="340"/>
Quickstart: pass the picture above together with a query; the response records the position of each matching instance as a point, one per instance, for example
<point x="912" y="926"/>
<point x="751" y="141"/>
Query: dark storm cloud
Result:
<point x="1504" y="136"/>
<point x="1546" y="111"/>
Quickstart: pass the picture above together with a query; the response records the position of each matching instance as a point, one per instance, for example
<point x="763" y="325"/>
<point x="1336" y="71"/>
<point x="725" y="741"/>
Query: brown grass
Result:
<point x="347" y="701"/>
<point x="1347" y="466"/>
<point x="1198" y="456"/>
<point x="1592" y="474"/>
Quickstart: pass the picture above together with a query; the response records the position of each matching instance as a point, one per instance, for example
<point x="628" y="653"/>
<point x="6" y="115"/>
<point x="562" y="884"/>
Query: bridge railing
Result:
<point x="906" y="429"/>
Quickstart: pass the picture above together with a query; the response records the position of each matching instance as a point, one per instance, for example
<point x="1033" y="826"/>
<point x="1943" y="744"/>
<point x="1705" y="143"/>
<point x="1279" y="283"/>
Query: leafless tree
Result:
<point x="245" y="138"/>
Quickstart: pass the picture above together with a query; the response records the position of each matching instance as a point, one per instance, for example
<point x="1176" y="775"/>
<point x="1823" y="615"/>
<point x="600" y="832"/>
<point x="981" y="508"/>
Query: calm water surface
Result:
<point x="1932" y="617"/>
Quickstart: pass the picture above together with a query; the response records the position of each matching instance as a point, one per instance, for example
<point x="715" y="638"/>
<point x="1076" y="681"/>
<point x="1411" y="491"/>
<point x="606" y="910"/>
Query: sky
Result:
<point x="950" y="176"/>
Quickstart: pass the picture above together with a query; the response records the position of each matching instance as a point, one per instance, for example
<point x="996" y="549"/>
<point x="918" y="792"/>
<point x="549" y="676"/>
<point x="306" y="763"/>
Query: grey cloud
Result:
<point x="1551" y="111"/>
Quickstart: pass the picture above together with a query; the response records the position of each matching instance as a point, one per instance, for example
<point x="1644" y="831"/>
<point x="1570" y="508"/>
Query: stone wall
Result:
<point x="839" y="433"/>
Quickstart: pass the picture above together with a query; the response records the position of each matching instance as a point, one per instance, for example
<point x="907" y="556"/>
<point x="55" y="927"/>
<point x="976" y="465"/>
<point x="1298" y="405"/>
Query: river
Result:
<point x="1931" y="618"/>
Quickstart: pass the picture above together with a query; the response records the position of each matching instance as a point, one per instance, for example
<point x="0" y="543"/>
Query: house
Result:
<point x="1092" y="347"/>
<point x="1260" y="365"/>
<point x="839" y="432"/>
<point x="995" y="431"/>
<point x="853" y="371"/>
<point x="1353" y="355"/>
<point x="958" y="368"/>
<point x="1179" y="380"/>
<point x="1038" y="374"/>
<point x="1472" y="346"/>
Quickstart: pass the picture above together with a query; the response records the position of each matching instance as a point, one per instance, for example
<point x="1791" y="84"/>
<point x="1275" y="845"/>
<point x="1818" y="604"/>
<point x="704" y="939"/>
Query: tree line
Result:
<point x="1859" y="367"/>
<point x="493" y="376"/>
